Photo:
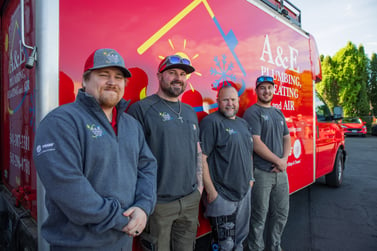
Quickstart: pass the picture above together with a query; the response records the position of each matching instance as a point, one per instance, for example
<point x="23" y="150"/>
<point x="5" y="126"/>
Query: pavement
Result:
<point x="323" y="218"/>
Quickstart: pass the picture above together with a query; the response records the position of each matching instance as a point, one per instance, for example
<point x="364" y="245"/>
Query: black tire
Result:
<point x="335" y="178"/>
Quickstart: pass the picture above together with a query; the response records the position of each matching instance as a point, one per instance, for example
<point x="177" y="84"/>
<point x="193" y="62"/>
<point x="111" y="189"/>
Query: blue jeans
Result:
<point x="270" y="194"/>
<point x="223" y="207"/>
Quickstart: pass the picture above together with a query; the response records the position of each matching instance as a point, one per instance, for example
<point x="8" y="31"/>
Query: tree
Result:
<point x="372" y="87"/>
<point x="345" y="78"/>
<point x="363" y="104"/>
<point x="328" y="88"/>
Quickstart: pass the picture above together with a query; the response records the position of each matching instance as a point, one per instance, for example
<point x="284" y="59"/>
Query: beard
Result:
<point x="108" y="99"/>
<point x="229" y="113"/>
<point x="172" y="90"/>
<point x="265" y="100"/>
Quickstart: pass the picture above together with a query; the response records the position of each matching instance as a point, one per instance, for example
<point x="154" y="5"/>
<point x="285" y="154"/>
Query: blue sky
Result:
<point x="333" y="23"/>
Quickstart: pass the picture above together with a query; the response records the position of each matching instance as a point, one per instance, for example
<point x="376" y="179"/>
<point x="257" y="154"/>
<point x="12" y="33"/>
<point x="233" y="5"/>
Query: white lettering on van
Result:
<point x="279" y="59"/>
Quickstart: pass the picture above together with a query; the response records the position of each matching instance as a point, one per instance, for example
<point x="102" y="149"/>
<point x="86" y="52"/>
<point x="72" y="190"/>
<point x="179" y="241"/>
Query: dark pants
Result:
<point x="174" y="224"/>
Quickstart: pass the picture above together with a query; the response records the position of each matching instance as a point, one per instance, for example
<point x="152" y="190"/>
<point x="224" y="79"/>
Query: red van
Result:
<point x="44" y="45"/>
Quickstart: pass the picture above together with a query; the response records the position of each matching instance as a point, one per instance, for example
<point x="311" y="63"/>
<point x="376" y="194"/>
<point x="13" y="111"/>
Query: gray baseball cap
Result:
<point x="102" y="58"/>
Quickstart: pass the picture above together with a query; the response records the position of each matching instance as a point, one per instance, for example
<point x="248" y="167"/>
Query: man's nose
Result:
<point x="111" y="80"/>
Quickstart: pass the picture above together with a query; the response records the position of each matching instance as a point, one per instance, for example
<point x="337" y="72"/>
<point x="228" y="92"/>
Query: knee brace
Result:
<point x="224" y="231"/>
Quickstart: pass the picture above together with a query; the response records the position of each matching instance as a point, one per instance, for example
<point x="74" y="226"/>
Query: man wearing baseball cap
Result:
<point x="172" y="132"/>
<point x="272" y="145"/>
<point x="95" y="164"/>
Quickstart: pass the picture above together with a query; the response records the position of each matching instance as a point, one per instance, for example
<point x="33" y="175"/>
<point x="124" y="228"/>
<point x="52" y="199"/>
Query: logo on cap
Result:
<point x="103" y="58"/>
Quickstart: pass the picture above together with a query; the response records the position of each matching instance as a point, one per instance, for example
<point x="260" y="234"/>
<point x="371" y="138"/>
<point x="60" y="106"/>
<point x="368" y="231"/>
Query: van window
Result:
<point x="321" y="109"/>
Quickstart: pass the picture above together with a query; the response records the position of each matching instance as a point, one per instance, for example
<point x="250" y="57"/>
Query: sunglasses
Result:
<point x="172" y="60"/>
<point x="265" y="79"/>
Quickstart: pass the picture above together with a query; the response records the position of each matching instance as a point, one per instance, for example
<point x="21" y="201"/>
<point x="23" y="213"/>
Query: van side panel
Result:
<point x="18" y="106"/>
<point x="225" y="40"/>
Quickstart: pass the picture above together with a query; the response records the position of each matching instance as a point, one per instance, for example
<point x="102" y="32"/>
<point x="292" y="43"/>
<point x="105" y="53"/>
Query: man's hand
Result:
<point x="138" y="220"/>
<point x="212" y="196"/>
<point x="251" y="183"/>
<point x="280" y="166"/>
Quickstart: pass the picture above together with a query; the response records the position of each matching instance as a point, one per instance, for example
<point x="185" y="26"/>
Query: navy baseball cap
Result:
<point x="264" y="79"/>
<point x="176" y="61"/>
<point x="102" y="58"/>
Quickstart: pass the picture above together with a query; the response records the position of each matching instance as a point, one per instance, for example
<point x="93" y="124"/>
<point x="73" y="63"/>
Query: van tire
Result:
<point x="335" y="178"/>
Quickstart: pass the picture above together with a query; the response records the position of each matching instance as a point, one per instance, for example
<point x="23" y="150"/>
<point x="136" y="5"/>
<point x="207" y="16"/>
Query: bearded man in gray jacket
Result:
<point x="92" y="158"/>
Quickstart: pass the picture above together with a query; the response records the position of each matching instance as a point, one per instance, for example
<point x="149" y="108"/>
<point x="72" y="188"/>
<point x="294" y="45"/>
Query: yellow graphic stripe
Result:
<point x="155" y="37"/>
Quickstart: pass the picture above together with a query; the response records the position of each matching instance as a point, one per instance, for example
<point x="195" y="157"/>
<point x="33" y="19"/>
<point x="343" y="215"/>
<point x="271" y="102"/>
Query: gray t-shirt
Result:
<point x="228" y="144"/>
<point x="268" y="123"/>
<point x="173" y="142"/>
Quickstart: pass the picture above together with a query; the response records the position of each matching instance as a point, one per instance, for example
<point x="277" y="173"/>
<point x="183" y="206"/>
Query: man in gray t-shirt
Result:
<point x="272" y="144"/>
<point x="172" y="132"/>
<point x="227" y="171"/>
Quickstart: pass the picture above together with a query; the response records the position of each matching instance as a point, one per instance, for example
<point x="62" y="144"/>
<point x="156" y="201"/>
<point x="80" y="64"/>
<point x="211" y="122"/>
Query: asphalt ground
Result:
<point x="323" y="218"/>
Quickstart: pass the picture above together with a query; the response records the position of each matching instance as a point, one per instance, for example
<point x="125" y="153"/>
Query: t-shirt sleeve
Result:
<point x="286" y="130"/>
<point x="253" y="119"/>
<point x="136" y="112"/>
<point x="207" y="136"/>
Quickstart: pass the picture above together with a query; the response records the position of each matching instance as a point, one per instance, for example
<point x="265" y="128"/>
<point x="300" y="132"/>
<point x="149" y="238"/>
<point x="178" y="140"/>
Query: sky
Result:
<point x="335" y="22"/>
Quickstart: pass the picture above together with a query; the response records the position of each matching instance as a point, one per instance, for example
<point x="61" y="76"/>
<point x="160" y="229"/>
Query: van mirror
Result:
<point x="338" y="113"/>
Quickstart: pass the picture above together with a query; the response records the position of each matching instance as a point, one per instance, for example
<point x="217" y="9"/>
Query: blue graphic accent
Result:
<point x="200" y="108"/>
<point x="231" y="41"/>
<point x="223" y="70"/>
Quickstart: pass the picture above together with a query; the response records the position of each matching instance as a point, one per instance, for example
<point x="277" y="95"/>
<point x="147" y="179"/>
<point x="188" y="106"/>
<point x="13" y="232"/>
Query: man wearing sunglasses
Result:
<point x="272" y="144"/>
<point x="172" y="132"/>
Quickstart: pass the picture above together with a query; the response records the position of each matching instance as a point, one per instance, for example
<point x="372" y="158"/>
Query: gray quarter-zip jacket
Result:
<point x="92" y="175"/>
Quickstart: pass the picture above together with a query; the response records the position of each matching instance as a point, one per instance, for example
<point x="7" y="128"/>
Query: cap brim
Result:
<point x="270" y="82"/>
<point x="187" y="68"/>
<point x="125" y="72"/>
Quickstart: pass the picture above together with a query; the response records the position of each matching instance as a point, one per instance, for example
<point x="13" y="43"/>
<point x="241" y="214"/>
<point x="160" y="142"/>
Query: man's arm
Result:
<point x="59" y="168"/>
<point x="146" y="189"/>
<point x="279" y="164"/>
<point x="208" y="184"/>
<point x="199" y="169"/>
<point x="146" y="186"/>
<point x="286" y="146"/>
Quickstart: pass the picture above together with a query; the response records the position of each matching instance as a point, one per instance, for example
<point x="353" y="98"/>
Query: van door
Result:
<point x="326" y="138"/>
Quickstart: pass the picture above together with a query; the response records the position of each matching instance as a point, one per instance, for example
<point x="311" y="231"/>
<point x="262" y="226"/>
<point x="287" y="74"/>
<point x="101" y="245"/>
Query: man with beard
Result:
<point x="172" y="132"/>
<point x="98" y="171"/>
<point x="272" y="144"/>
<point x="227" y="171"/>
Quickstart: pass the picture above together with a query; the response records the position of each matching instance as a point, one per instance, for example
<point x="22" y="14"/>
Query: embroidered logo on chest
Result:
<point x="230" y="131"/>
<point x="165" y="116"/>
<point x="95" y="130"/>
<point x="265" y="117"/>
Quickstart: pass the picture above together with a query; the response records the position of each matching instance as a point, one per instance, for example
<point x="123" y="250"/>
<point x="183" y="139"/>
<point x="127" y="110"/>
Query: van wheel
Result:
<point x="335" y="178"/>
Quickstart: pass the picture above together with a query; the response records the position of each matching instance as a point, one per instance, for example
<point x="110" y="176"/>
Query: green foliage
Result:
<point x="328" y="88"/>
<point x="372" y="87"/>
<point x="345" y="80"/>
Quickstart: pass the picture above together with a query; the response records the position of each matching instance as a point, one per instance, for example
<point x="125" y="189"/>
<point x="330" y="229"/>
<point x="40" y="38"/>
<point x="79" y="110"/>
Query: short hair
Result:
<point x="227" y="86"/>
<point x="86" y="75"/>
